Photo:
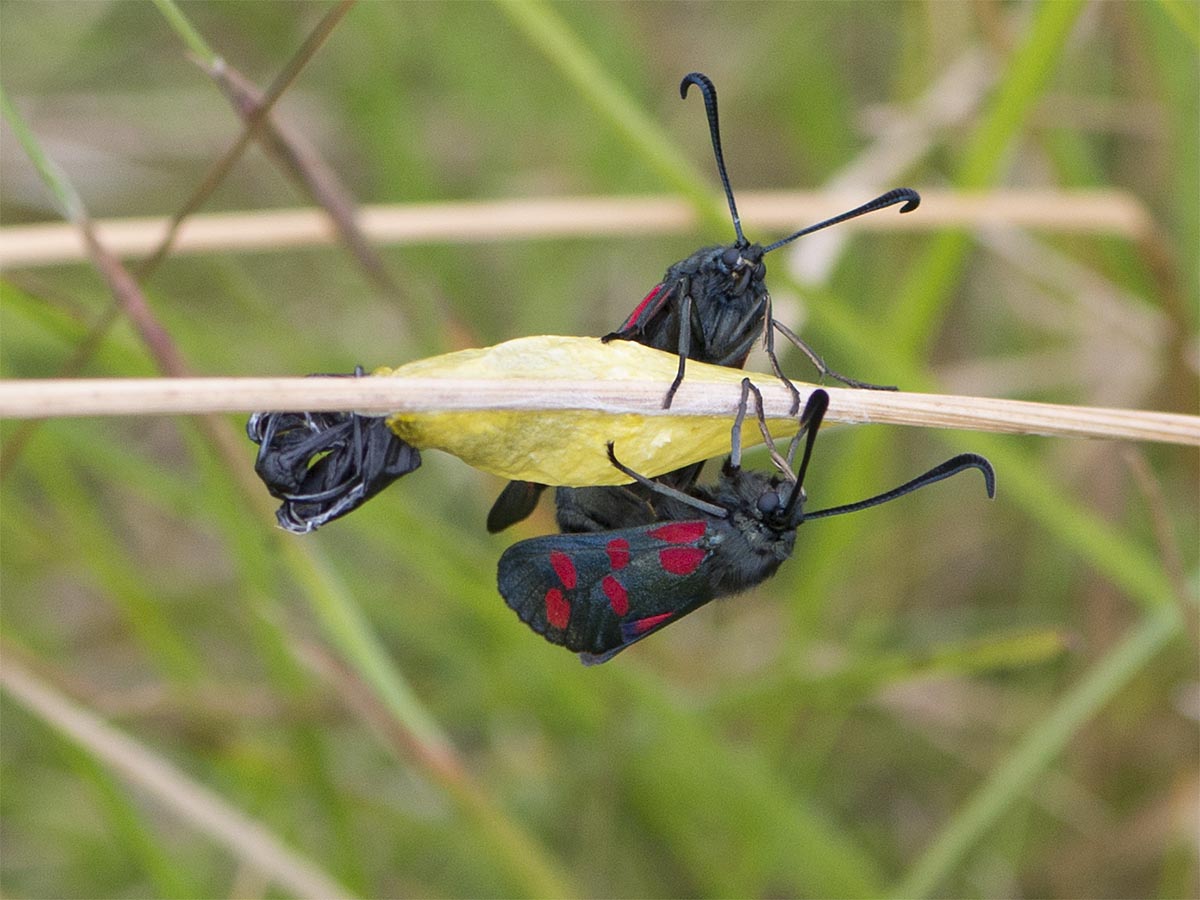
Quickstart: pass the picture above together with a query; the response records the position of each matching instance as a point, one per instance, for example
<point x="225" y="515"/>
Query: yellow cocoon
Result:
<point x="568" y="447"/>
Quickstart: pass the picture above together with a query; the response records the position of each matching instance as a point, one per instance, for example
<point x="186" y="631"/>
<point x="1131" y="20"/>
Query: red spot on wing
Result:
<point x="617" y="596"/>
<point x="564" y="568"/>
<point x="558" y="609"/>
<point x="643" y="625"/>
<point x="618" y="553"/>
<point x="679" y="532"/>
<point x="641" y="307"/>
<point x="681" y="560"/>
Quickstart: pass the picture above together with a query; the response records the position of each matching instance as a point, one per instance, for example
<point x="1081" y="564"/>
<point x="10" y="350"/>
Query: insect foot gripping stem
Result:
<point x="598" y="592"/>
<point x="323" y="465"/>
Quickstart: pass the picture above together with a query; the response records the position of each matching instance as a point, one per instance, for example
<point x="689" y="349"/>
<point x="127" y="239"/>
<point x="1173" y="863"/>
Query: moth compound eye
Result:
<point x="731" y="257"/>
<point x="769" y="503"/>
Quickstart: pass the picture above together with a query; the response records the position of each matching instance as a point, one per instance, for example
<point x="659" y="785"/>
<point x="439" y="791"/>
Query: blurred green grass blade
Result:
<point x="81" y="526"/>
<point x="349" y="631"/>
<point x="1038" y="750"/>
<point x="143" y="840"/>
<point x="188" y="34"/>
<point x="922" y="297"/>
<point x="740" y="828"/>
<point x="1021" y="478"/>
<point x="26" y="319"/>
<point x="547" y="31"/>
<point x="203" y="810"/>
<point x="347" y="627"/>
<point x="69" y="202"/>
<point x="717" y="780"/>
<point x="1026" y="77"/>
<point x="1127" y="564"/>
<point x="345" y="624"/>
<point x="256" y="576"/>
<point x="1186" y="16"/>
<point x="980" y="656"/>
<point x="870" y="672"/>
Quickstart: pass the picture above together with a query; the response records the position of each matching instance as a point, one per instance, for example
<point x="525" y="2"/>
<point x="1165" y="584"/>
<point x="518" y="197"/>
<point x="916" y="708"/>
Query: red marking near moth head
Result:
<point x="637" y="311"/>
<point x="558" y="609"/>
<point x="644" y="625"/>
<point x="564" y="568"/>
<point x="681" y="560"/>
<point x="618" y="553"/>
<point x="617" y="596"/>
<point x="679" y="532"/>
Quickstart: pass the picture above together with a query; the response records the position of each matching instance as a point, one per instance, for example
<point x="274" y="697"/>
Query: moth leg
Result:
<point x="688" y="499"/>
<point x="735" y="433"/>
<point x="823" y="370"/>
<point x="810" y="423"/>
<point x="735" y="436"/>
<point x="769" y="347"/>
<point x="685" y="341"/>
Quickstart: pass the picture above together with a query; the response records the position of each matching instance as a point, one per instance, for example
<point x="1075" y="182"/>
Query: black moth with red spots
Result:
<point x="714" y="305"/>
<point x="710" y="307"/>
<point x="596" y="593"/>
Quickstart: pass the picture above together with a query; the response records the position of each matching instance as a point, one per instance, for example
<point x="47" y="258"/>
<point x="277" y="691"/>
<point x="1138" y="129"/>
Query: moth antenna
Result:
<point x="810" y="423"/>
<point x="910" y="198"/>
<point x="950" y="467"/>
<point x="710" y="105"/>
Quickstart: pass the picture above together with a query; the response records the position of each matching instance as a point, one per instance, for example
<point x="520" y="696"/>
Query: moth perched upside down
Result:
<point x="598" y="592"/>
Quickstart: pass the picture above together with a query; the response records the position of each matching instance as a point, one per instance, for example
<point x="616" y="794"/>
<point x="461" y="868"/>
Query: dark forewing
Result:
<point x="598" y="593"/>
<point x="515" y="503"/>
<point x="654" y="304"/>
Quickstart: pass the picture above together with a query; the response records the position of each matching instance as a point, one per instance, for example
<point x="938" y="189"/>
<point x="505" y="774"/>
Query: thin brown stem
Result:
<point x="698" y="396"/>
<point x="253" y="123"/>
<point x="127" y="297"/>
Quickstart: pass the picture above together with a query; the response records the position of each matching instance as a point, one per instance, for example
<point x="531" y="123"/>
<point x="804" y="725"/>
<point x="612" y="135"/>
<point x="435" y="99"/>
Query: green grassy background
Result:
<point x="939" y="697"/>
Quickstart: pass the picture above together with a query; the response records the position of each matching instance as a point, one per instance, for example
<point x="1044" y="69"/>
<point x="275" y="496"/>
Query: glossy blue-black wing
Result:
<point x="598" y="593"/>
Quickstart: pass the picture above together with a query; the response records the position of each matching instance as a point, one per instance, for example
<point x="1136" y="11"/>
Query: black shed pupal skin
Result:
<point x="323" y="465"/>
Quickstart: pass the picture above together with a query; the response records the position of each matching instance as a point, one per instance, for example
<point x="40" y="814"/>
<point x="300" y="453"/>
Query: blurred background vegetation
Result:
<point x="943" y="696"/>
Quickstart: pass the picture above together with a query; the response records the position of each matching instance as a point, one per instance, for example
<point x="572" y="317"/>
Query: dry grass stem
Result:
<point x="1092" y="211"/>
<point x="166" y="396"/>
<point x="247" y="839"/>
<point x="165" y="240"/>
